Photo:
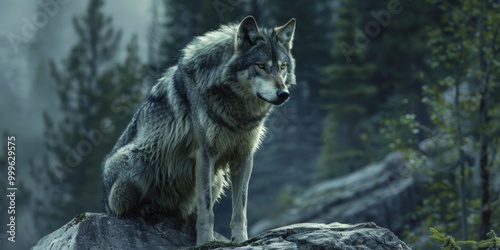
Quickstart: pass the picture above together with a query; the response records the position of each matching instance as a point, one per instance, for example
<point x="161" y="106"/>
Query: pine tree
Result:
<point x="180" y="24"/>
<point x="155" y="38"/>
<point x="93" y="108"/>
<point x="462" y="137"/>
<point x="215" y="13"/>
<point x="183" y="20"/>
<point x="384" y="64"/>
<point x="350" y="98"/>
<point x="130" y="86"/>
<point x="398" y="52"/>
<point x="465" y="48"/>
<point x="470" y="42"/>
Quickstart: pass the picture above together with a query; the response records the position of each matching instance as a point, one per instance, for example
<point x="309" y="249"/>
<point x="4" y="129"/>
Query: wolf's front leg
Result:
<point x="205" y="215"/>
<point x="240" y="176"/>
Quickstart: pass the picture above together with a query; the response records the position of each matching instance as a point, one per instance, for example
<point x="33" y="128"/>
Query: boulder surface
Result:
<point x="102" y="231"/>
<point x="385" y="193"/>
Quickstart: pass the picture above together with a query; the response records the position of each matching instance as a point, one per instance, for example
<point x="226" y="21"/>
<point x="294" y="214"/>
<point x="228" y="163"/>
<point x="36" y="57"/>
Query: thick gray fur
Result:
<point x="200" y="126"/>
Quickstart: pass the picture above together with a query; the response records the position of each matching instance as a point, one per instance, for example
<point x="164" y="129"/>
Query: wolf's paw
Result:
<point x="147" y="210"/>
<point x="204" y="237"/>
<point x="151" y="214"/>
<point x="123" y="198"/>
<point x="239" y="237"/>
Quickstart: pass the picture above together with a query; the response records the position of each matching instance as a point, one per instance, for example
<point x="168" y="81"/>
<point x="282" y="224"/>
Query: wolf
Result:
<point x="200" y="126"/>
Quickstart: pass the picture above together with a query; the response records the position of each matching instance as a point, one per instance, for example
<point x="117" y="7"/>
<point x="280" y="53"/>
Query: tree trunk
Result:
<point x="461" y="163"/>
<point x="483" y="137"/>
<point x="484" y="173"/>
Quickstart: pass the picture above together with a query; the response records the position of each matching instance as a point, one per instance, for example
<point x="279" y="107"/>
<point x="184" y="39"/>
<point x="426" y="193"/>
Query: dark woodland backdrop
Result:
<point x="374" y="77"/>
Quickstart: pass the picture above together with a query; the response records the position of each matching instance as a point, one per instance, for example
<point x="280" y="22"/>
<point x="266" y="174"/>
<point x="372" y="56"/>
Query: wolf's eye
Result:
<point x="261" y="65"/>
<point x="283" y="66"/>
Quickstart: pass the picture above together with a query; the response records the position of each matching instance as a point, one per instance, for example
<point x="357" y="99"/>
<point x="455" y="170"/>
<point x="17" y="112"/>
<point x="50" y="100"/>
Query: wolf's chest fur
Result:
<point x="232" y="125"/>
<point x="230" y="130"/>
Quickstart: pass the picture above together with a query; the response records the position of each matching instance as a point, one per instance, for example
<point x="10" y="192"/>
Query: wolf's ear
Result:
<point x="284" y="33"/>
<point x="248" y="34"/>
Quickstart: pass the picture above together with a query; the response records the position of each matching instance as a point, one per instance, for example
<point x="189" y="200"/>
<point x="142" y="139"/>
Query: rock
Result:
<point x="385" y="193"/>
<point x="334" y="236"/>
<point x="101" y="231"/>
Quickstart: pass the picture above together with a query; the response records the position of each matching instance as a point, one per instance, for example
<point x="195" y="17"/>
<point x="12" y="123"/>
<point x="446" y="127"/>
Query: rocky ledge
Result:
<point x="385" y="193"/>
<point x="102" y="231"/>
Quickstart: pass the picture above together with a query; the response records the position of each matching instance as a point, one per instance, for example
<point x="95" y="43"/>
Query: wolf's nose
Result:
<point x="282" y="95"/>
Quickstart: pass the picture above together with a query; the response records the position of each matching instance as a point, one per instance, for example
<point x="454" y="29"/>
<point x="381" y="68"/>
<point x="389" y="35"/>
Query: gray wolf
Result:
<point x="200" y="126"/>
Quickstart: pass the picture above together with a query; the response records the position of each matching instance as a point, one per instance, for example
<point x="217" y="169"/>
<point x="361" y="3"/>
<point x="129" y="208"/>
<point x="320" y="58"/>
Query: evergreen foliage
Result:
<point x="91" y="114"/>
<point x="347" y="126"/>
<point x="183" y="20"/>
<point x="460" y="135"/>
<point x="180" y="24"/>
<point x="449" y="243"/>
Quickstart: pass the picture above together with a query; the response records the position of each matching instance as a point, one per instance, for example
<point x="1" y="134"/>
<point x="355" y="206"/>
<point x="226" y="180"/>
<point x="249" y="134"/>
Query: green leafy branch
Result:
<point x="449" y="243"/>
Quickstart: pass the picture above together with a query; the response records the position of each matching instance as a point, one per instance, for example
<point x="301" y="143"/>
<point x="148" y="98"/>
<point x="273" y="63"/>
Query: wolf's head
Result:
<point x="262" y="64"/>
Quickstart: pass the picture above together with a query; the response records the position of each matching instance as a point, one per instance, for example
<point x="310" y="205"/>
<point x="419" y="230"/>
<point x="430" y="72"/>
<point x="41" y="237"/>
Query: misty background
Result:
<point x="394" y="119"/>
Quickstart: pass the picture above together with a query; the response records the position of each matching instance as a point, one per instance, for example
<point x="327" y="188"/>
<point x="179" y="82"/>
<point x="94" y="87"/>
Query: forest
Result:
<point x="374" y="78"/>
